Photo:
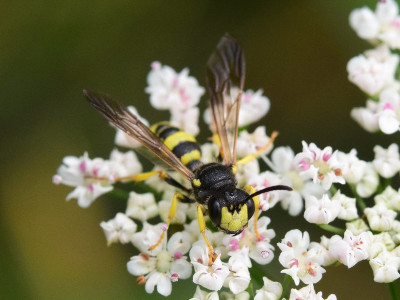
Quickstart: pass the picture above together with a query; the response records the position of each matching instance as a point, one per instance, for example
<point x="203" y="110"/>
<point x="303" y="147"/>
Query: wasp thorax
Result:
<point x="230" y="211"/>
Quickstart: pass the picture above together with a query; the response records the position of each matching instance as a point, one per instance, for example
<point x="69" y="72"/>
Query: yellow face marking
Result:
<point x="188" y="157"/>
<point x="196" y="182"/>
<point x="233" y="221"/>
<point x="174" y="139"/>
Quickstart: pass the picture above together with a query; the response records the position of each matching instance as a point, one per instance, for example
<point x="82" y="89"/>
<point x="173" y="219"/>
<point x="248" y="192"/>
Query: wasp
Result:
<point x="213" y="185"/>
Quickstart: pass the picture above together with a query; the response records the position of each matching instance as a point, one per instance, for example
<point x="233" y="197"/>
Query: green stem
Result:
<point x="332" y="228"/>
<point x="250" y="290"/>
<point x="386" y="183"/>
<point x="256" y="274"/>
<point x="120" y="193"/>
<point x="394" y="291"/>
<point x="333" y="189"/>
<point x="287" y="282"/>
<point x="359" y="200"/>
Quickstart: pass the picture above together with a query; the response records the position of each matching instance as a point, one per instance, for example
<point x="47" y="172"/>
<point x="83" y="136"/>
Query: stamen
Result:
<point x="234" y="245"/>
<point x="326" y="157"/>
<point x="304" y="165"/>
<point x="265" y="254"/>
<point x="177" y="255"/>
<point x="141" y="280"/>
<point x="174" y="277"/>
<point x="145" y="256"/>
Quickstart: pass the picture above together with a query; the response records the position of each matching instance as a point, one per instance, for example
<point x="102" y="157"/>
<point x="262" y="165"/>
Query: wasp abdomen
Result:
<point x="181" y="143"/>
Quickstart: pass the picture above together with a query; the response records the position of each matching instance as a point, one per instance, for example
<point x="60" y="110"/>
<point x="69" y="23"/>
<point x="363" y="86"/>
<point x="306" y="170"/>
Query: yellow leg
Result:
<point x="144" y="176"/>
<point x="251" y="190"/>
<point x="254" y="155"/>
<point x="171" y="215"/>
<point x="202" y="226"/>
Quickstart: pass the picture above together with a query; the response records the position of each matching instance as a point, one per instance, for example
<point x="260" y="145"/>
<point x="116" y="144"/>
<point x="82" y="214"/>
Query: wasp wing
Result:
<point x="122" y="118"/>
<point x="225" y="69"/>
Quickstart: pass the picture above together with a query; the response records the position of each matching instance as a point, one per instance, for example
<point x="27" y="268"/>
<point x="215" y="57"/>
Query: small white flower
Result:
<point x="263" y="180"/>
<point x="90" y="177"/>
<point x="282" y="162"/>
<point x="365" y="23"/>
<point x="247" y="172"/>
<point x="171" y="90"/>
<point x="387" y="161"/>
<point x="322" y="250"/>
<point x="261" y="251"/>
<point x="300" y="263"/>
<point x="216" y="240"/>
<point x="231" y="296"/>
<point x="385" y="267"/>
<point x="320" y="165"/>
<point x="357" y="226"/>
<point x="308" y="293"/>
<point x="167" y="265"/>
<point x="387" y="14"/>
<point x="253" y="106"/>
<point x="353" y="168"/>
<point x="390" y="197"/>
<point x="141" y="206"/>
<point x="379" y="243"/>
<point x="124" y="164"/>
<point x="119" y="229"/>
<point x="321" y="211"/>
<point x="369" y="182"/>
<point x="211" y="277"/>
<point x="203" y="295"/>
<point x="389" y="106"/>
<point x="180" y="214"/>
<point x="367" y="117"/>
<point x="148" y="237"/>
<point x="124" y="140"/>
<point x="351" y="249"/>
<point x="348" y="209"/>
<point x="187" y="120"/>
<point x="373" y="71"/>
<point x="271" y="290"/>
<point x="209" y="152"/>
<point x="249" y="143"/>
<point x="239" y="277"/>
<point x="380" y="218"/>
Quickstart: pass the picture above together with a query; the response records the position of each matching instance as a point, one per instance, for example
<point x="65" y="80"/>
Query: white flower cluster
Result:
<point x="375" y="240"/>
<point x="94" y="177"/>
<point x="374" y="72"/>
<point x="370" y="232"/>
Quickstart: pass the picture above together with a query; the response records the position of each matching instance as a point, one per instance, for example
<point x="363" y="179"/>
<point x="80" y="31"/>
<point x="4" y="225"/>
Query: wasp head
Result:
<point x="231" y="210"/>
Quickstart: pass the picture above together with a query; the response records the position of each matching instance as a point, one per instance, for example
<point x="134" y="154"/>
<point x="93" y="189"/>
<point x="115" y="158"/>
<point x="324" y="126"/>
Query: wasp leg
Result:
<point x="171" y="215"/>
<point x="144" y="176"/>
<point x="162" y="174"/>
<point x="254" y="155"/>
<point x="251" y="190"/>
<point x="202" y="226"/>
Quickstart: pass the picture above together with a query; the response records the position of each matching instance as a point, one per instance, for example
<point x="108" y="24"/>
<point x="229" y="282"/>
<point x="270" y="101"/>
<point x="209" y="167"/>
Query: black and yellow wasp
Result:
<point x="213" y="185"/>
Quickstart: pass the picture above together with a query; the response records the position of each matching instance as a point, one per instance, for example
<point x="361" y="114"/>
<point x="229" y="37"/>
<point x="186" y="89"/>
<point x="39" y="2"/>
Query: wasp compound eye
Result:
<point x="250" y="208"/>
<point x="214" y="211"/>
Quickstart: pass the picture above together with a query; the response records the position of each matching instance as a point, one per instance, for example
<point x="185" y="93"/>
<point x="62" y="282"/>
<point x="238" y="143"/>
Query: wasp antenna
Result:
<point x="270" y="189"/>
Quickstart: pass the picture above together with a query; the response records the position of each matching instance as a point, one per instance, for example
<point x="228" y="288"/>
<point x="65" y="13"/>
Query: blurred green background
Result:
<point x="50" y="50"/>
